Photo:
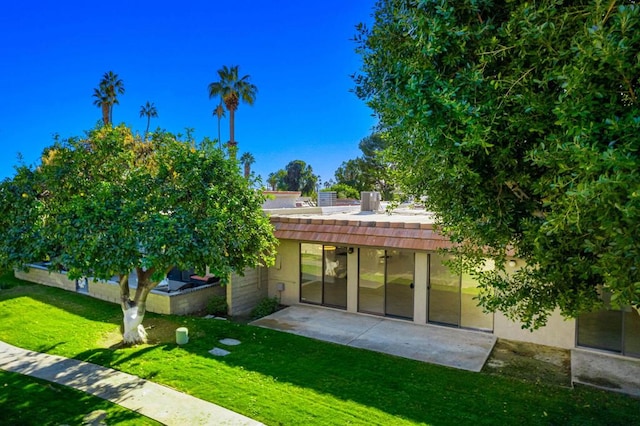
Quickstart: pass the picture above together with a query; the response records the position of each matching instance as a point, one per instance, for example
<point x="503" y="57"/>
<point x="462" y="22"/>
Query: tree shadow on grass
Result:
<point x="407" y="389"/>
<point x="31" y="401"/>
<point x="404" y="388"/>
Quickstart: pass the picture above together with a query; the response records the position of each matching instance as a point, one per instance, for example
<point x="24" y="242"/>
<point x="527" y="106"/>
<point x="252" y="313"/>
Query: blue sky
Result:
<point x="298" y="53"/>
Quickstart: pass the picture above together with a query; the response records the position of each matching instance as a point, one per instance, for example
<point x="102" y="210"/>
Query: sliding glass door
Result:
<point x="452" y="298"/>
<point x="444" y="293"/>
<point x="371" y="281"/>
<point x="335" y="277"/>
<point x="323" y="275"/>
<point x="385" y="282"/>
<point x="399" y="287"/>
<point x="311" y="273"/>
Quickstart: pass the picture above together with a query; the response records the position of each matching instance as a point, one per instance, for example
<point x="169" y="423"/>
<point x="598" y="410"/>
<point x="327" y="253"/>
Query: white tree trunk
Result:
<point x="134" y="332"/>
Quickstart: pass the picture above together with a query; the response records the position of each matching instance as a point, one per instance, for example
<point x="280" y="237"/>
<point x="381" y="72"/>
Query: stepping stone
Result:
<point x="220" y="318"/>
<point x="230" y="342"/>
<point x="210" y="316"/>
<point x="219" y="352"/>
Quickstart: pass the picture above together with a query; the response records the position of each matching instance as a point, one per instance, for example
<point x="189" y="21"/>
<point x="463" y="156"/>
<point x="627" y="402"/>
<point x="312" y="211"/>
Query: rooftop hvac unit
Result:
<point x="326" y="198"/>
<point x="369" y="201"/>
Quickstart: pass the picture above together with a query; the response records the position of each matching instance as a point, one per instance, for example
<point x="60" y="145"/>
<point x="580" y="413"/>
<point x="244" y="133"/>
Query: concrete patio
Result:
<point x="451" y="347"/>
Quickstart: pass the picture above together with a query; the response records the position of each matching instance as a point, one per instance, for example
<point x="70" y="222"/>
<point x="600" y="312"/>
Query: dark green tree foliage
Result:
<point x="296" y="176"/>
<point x="343" y="191"/>
<point x="371" y="171"/>
<point x="111" y="203"/>
<point x="520" y="122"/>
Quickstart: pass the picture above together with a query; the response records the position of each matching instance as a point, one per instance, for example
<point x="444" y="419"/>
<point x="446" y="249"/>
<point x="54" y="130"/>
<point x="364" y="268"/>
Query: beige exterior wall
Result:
<point x="558" y="332"/>
<point x="420" y="288"/>
<point x="244" y="292"/>
<point x="286" y="271"/>
<point x="182" y="303"/>
<point x="105" y="291"/>
<point x="187" y="302"/>
<point x="352" y="281"/>
<point x="45" y="277"/>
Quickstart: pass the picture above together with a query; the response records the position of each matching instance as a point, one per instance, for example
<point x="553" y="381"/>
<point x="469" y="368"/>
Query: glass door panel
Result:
<point x="631" y="328"/>
<point x="601" y="330"/>
<point x="335" y="277"/>
<point x="371" y="281"/>
<point x="399" y="288"/>
<point x="311" y="273"/>
<point x="444" y="292"/>
<point x="471" y="315"/>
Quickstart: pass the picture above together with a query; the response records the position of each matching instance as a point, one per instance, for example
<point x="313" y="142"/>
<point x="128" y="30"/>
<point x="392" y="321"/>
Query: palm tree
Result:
<point x="112" y="87"/>
<point x="219" y="112"/>
<point x="106" y="95"/>
<point x="232" y="89"/>
<point x="272" y="180"/>
<point x="247" y="159"/>
<point x="149" y="110"/>
<point x="102" y="101"/>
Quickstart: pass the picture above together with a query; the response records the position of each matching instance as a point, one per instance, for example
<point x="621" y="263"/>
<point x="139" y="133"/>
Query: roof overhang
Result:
<point x="368" y="233"/>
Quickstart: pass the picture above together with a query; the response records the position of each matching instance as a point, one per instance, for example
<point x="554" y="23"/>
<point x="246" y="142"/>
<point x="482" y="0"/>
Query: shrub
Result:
<point x="265" y="307"/>
<point x="344" y="191"/>
<point x="217" y="305"/>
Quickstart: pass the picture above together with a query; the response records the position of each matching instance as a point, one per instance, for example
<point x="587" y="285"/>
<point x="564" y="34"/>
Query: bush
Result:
<point x="265" y="307"/>
<point x="344" y="191"/>
<point x="217" y="305"/>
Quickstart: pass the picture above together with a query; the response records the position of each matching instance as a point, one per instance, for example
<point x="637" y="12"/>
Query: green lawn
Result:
<point x="29" y="401"/>
<point x="279" y="378"/>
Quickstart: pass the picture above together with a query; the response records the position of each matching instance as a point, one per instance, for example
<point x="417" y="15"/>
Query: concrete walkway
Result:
<point x="453" y="347"/>
<point x="147" y="398"/>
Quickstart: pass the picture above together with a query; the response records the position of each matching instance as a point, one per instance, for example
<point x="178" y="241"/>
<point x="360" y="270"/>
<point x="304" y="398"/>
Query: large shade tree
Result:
<point x="296" y="176"/>
<point x="233" y="89"/>
<point x="519" y="121"/>
<point x="110" y="204"/>
<point x="371" y="171"/>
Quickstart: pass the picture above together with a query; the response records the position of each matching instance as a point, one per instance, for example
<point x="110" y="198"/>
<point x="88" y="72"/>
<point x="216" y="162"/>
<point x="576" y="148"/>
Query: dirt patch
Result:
<point x="159" y="331"/>
<point x="530" y="362"/>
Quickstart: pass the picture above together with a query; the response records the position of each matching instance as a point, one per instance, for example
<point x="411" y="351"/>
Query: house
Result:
<point x="374" y="263"/>
<point x="359" y="260"/>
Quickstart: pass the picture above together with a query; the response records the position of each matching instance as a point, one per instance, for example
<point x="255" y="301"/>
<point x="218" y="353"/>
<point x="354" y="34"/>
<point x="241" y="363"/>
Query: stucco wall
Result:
<point x="352" y="281"/>
<point x="558" y="332"/>
<point x="286" y="271"/>
<point x="420" y="288"/>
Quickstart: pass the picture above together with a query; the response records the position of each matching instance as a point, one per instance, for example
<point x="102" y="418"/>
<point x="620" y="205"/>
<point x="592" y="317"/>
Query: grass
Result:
<point x="279" y="378"/>
<point x="29" y="401"/>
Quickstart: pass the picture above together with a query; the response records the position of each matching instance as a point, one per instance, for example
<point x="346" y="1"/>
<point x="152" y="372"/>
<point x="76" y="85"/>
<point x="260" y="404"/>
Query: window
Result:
<point x="611" y="329"/>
